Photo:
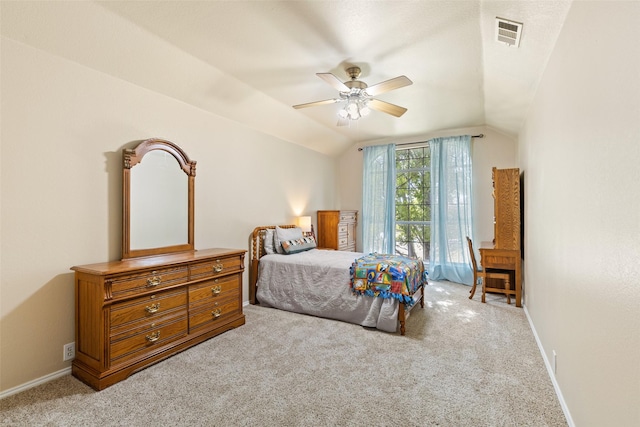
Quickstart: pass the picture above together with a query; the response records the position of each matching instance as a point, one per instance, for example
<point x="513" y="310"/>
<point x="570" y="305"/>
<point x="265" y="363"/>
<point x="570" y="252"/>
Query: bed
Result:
<point x="323" y="283"/>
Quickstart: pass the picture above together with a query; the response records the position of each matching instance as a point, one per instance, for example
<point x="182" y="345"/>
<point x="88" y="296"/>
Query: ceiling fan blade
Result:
<point x="333" y="81"/>
<point x="388" y="85"/>
<point x="386" y="107"/>
<point x="313" y="104"/>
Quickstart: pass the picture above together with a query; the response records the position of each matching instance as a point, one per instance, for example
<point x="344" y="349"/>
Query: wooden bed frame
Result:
<point x="257" y="251"/>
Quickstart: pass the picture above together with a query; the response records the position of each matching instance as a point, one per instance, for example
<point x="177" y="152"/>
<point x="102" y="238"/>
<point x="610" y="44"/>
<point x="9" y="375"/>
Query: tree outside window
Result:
<point x="413" y="202"/>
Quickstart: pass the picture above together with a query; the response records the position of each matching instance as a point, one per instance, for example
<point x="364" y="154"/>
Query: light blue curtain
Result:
<point x="451" y="209"/>
<point x="378" y="199"/>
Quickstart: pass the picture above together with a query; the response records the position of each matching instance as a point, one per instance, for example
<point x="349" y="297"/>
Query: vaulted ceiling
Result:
<point x="251" y="61"/>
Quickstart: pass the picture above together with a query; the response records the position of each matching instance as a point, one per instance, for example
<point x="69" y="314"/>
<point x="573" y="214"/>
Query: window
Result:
<point x="413" y="202"/>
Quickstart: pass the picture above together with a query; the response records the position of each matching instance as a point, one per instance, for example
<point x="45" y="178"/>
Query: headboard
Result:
<point x="257" y="251"/>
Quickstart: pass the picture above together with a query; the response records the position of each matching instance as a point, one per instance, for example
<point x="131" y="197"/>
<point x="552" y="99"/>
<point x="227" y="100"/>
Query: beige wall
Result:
<point x="495" y="149"/>
<point x="580" y="153"/>
<point x="63" y="129"/>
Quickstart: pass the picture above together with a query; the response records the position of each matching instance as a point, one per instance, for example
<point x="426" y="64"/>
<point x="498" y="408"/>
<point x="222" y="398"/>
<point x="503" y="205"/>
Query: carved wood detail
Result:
<point x="506" y="190"/>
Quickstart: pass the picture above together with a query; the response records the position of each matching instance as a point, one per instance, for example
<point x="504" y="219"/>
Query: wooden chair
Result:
<point x="483" y="274"/>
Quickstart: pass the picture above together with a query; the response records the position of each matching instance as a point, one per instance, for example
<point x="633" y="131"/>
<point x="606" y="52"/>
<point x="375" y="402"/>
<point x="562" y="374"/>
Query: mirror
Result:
<point x="157" y="199"/>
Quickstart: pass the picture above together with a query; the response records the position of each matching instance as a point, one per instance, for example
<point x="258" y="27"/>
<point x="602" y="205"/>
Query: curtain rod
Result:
<point x="481" y="135"/>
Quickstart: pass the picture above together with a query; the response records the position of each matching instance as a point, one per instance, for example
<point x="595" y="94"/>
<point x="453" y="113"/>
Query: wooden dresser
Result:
<point x="136" y="312"/>
<point x="337" y="230"/>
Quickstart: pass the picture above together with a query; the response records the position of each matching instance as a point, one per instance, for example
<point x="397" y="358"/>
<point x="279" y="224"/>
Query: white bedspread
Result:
<point x="317" y="282"/>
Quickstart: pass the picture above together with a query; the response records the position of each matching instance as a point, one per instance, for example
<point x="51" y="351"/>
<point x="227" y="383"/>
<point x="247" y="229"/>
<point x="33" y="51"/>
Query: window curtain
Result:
<point x="378" y="199"/>
<point x="451" y="209"/>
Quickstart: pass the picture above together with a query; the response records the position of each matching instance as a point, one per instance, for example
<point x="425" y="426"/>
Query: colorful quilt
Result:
<point x="388" y="276"/>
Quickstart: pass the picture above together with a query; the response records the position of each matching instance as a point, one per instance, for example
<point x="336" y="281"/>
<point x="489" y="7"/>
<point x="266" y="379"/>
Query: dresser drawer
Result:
<point x="214" y="290"/>
<point x="148" y="280"/>
<point x="215" y="268"/>
<point x="140" y="342"/>
<point x="129" y="329"/>
<point x="148" y="307"/>
<point x="348" y="217"/>
<point x="213" y="313"/>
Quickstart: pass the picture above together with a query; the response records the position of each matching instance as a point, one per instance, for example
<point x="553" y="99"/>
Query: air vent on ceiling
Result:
<point x="508" y="32"/>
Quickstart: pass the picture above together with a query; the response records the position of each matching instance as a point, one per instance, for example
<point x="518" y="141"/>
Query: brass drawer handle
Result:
<point x="216" y="290"/>
<point x="152" y="308"/>
<point x="218" y="267"/>
<point x="153" y="281"/>
<point x="216" y="313"/>
<point x="153" y="337"/>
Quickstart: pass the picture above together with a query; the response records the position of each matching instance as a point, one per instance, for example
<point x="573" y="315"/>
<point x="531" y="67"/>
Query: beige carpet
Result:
<point x="462" y="363"/>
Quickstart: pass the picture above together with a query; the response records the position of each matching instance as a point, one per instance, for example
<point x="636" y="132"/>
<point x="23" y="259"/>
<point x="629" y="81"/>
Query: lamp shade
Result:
<point x="304" y="222"/>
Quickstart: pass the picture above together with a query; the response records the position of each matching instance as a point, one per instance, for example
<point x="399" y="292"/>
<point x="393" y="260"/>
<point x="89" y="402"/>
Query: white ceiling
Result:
<point x="250" y="61"/>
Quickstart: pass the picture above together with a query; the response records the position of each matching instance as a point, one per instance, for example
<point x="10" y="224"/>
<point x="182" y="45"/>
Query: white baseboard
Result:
<point x="556" y="386"/>
<point x="36" y="382"/>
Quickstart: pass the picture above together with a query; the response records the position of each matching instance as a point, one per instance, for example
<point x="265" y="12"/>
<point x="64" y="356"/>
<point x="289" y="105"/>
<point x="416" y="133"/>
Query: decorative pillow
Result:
<point x="284" y="234"/>
<point x="298" y="245"/>
<point x="267" y="241"/>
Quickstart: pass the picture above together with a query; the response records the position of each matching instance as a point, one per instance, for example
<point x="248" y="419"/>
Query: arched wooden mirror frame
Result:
<point x="132" y="157"/>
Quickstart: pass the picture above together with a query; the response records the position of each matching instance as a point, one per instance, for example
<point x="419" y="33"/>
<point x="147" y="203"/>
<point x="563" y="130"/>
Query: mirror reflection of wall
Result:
<point x="159" y="202"/>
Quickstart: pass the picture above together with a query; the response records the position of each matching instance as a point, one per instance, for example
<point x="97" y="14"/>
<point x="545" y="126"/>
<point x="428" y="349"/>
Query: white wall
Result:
<point x="63" y="129"/>
<point x="494" y="150"/>
<point x="580" y="153"/>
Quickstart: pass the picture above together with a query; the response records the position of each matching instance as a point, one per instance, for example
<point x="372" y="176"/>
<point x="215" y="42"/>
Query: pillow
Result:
<point x="267" y="241"/>
<point x="284" y="234"/>
<point x="298" y="245"/>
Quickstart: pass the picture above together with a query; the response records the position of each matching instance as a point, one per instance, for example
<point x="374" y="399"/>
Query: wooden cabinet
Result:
<point x="136" y="312"/>
<point x="337" y="230"/>
<point x="506" y="208"/>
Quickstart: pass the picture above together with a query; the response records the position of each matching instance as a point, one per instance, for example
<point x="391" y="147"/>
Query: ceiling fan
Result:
<point x="358" y="98"/>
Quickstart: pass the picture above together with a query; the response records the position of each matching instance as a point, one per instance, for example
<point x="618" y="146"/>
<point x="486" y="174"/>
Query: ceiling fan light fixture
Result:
<point x="364" y="109"/>
<point x="358" y="97"/>
<point x="352" y="108"/>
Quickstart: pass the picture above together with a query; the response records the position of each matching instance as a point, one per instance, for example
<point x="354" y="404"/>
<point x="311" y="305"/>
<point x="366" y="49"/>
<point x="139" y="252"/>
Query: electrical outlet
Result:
<point x="69" y="351"/>
<point x="555" y="361"/>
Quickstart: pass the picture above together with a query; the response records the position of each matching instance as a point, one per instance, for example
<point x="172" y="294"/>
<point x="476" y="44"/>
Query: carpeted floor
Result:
<point x="462" y="363"/>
